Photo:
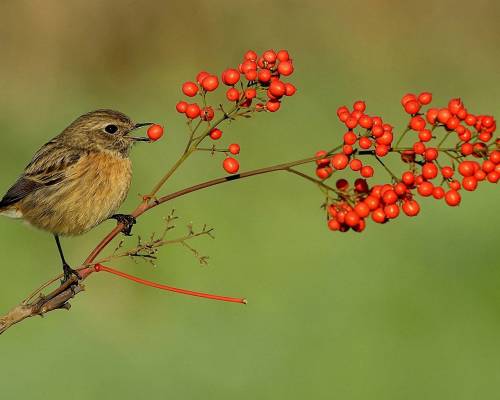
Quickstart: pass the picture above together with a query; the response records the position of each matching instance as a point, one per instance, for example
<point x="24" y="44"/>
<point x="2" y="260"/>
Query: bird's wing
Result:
<point x="48" y="167"/>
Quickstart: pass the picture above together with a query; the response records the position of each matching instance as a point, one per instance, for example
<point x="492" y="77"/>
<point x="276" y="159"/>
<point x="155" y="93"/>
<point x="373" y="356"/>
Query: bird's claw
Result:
<point x="68" y="272"/>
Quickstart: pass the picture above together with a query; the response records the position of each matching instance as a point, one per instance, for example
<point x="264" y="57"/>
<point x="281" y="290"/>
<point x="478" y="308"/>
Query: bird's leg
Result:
<point x="68" y="271"/>
<point x="127" y="220"/>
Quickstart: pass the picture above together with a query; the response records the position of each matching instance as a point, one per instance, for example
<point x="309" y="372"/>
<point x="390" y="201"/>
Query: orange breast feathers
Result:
<point x="91" y="191"/>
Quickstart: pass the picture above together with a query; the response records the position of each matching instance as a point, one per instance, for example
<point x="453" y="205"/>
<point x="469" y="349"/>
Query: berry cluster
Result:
<point x="438" y="170"/>
<point x="255" y="85"/>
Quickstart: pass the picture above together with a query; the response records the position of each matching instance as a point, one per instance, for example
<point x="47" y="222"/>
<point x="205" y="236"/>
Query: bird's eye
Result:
<point x="111" y="128"/>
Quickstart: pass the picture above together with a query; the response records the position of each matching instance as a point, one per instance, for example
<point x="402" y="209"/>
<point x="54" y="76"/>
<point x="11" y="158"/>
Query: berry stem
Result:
<point x="321" y="184"/>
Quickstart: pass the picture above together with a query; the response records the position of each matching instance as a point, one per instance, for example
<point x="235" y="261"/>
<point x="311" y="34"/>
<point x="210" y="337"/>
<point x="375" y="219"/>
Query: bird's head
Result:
<point x="103" y="130"/>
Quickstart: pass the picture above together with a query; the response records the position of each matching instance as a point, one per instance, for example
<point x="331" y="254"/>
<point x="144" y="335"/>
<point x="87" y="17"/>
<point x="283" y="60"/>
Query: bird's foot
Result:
<point x="127" y="220"/>
<point x="68" y="272"/>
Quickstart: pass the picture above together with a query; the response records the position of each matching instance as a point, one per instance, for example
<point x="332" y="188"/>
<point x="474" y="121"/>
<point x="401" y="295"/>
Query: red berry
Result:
<point x="425" y="135"/>
<point x="408" y="178"/>
<point x="333" y="224"/>
<point x="391" y="211"/>
<point x="273" y="105"/>
<point x="361" y="186"/>
<point x="432" y="115"/>
<point x="377" y="131"/>
<point x="452" y="198"/>
<point x="425" y="189"/>
<point x="417" y="123"/>
<point x="355" y="164"/>
<point x="192" y="111"/>
<point x="250" y="55"/>
<point x="378" y="216"/>
<point x="386" y="138"/>
<point x="269" y="56"/>
<point x="412" y="107"/>
<point x="247" y="67"/>
<point x="339" y="161"/>
<point x="495" y="156"/>
<point x="277" y="88"/>
<point x="230" y="76"/>
<point x="400" y="189"/>
<point x="470" y="120"/>
<point x="181" y="107"/>
<point x="364" y="142"/>
<point x="408" y="97"/>
<point x="493" y="176"/>
<point x="347" y="149"/>
<point x="419" y="148"/>
<point x="438" y="192"/>
<point x="367" y="171"/>
<point x="250" y="93"/>
<point x="466" y="149"/>
<point x="466" y="168"/>
<point x="342" y="184"/>
<point x="488" y="166"/>
<point x="234" y="148"/>
<point x="455" y="105"/>
<point x="290" y="89"/>
<point x="215" y="134"/>
<point x="431" y="154"/>
<point x="469" y="183"/>
<point x="264" y="75"/>
<point x="190" y="89"/>
<point x="207" y="113"/>
<point x="411" y="208"/>
<point x="201" y="75"/>
<point x="425" y="98"/>
<point x="444" y="115"/>
<point x="232" y="94"/>
<point x="350" y="137"/>
<point x="452" y="123"/>
<point x="155" y="132"/>
<point x="283" y="55"/>
<point x="251" y="75"/>
<point x="231" y="165"/>
<point x="365" y="121"/>
<point x="362" y="209"/>
<point x="390" y="197"/>
<point x="352" y="218"/>
<point x="429" y="171"/>
<point x="359" y="106"/>
<point x="454" y="184"/>
<point x="351" y="122"/>
<point x="372" y="202"/>
<point x="285" y="68"/>
<point x="447" y="172"/>
<point x="210" y="83"/>
<point x="381" y="150"/>
<point x="324" y="172"/>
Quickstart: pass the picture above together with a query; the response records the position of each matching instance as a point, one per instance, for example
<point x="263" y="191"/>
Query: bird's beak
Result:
<point x="142" y="138"/>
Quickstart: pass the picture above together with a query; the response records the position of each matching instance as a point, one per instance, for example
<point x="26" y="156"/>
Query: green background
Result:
<point x="408" y="310"/>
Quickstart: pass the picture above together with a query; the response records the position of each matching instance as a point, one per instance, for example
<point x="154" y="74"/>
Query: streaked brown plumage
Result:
<point x="78" y="179"/>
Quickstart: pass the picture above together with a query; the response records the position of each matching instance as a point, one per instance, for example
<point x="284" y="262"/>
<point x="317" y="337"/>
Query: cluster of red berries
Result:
<point x="475" y="155"/>
<point x="375" y="135"/>
<point x="382" y="202"/>
<point x="257" y="79"/>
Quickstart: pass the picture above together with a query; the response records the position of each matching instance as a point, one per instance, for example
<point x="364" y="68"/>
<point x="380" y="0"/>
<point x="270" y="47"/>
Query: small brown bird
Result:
<point x="78" y="179"/>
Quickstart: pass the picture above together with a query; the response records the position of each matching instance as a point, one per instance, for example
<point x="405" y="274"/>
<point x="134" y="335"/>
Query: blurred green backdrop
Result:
<point x="409" y="310"/>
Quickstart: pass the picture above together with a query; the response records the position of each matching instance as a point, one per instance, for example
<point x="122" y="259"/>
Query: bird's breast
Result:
<point x="91" y="191"/>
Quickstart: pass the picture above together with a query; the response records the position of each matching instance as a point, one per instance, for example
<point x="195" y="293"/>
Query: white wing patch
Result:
<point x="12" y="213"/>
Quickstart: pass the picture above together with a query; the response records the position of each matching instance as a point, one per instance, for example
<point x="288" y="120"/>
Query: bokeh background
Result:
<point x="408" y="310"/>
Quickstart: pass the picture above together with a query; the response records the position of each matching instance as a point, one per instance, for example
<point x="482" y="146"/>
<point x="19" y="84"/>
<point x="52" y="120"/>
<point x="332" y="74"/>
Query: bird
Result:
<point x="78" y="179"/>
